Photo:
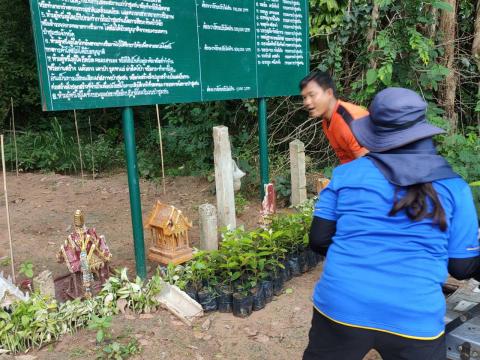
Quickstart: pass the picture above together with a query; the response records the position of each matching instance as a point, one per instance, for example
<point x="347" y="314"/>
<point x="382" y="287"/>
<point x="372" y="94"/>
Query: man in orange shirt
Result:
<point x="320" y="99"/>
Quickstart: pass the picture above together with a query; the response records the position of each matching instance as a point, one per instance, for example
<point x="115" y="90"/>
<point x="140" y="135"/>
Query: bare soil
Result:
<point x="41" y="213"/>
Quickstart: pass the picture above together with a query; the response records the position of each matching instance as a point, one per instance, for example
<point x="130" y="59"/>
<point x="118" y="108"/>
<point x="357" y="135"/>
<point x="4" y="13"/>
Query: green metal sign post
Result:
<point x="154" y="53"/>
<point x="263" y="142"/>
<point x="134" y="190"/>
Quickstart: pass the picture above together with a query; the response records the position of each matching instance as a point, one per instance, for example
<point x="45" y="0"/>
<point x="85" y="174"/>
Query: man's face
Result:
<point x="316" y="100"/>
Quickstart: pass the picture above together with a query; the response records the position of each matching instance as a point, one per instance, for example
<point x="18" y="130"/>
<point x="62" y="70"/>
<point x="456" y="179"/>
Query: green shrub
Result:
<point x="246" y="257"/>
<point x="463" y="153"/>
<point x="40" y="320"/>
<point x="54" y="150"/>
<point x="476" y="196"/>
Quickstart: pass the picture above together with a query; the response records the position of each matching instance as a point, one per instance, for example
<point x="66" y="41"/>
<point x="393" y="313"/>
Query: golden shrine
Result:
<point x="169" y="235"/>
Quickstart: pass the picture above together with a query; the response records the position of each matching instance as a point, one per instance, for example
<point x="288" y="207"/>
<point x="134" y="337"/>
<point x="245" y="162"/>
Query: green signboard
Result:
<point x="113" y="53"/>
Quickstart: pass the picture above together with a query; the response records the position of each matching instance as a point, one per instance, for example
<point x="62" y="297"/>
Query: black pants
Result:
<point x="331" y="341"/>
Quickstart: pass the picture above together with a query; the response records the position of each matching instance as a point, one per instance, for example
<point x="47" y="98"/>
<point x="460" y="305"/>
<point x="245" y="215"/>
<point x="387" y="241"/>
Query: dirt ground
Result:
<point x="41" y="212"/>
<point x="42" y="208"/>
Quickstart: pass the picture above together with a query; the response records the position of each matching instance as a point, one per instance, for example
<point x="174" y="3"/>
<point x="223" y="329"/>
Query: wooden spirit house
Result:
<point x="169" y="235"/>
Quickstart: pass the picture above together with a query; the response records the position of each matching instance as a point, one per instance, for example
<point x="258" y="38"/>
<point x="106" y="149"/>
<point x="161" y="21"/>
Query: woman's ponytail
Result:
<point x="416" y="205"/>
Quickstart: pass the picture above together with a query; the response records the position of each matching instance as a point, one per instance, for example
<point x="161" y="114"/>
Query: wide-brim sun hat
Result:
<point x="397" y="118"/>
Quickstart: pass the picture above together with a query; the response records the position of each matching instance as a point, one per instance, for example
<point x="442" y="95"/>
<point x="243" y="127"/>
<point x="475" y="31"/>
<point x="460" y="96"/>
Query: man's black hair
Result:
<point x="322" y="78"/>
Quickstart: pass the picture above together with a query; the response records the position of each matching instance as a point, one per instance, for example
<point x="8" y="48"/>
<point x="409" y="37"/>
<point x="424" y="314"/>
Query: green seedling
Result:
<point x="5" y="262"/>
<point x="26" y="269"/>
<point x="102" y="326"/>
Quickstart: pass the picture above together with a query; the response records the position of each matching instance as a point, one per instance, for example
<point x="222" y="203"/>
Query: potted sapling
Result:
<point x="207" y="296"/>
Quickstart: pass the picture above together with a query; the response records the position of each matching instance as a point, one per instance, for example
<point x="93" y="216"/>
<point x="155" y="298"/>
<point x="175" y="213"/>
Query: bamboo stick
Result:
<point x="4" y="171"/>
<point x="11" y="147"/>
<point x="91" y="144"/>
<point x="14" y="136"/>
<point x="78" y="141"/>
<point x="161" y="149"/>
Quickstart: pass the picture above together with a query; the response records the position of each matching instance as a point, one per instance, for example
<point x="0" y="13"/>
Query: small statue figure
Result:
<point x="238" y="174"/>
<point x="269" y="205"/>
<point x="85" y="254"/>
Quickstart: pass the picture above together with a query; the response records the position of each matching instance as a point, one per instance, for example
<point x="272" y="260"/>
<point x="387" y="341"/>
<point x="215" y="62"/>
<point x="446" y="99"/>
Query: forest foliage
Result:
<point x="367" y="46"/>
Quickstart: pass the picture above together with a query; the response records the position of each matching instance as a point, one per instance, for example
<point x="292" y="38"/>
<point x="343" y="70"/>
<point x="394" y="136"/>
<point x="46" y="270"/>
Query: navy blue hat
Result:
<point x="397" y="118"/>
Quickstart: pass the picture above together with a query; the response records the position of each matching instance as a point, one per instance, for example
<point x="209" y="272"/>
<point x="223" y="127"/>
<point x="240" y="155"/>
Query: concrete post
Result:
<point x="297" y="172"/>
<point x="208" y="227"/>
<point x="43" y="283"/>
<point x="224" y="178"/>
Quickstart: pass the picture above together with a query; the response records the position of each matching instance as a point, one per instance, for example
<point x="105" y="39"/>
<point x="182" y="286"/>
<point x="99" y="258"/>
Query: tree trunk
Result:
<point x="448" y="91"/>
<point x="371" y="32"/>
<point x="476" y="36"/>
<point x="432" y="29"/>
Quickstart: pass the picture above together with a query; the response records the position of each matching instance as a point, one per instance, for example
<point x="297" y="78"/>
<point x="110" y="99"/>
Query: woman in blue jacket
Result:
<point x="392" y="224"/>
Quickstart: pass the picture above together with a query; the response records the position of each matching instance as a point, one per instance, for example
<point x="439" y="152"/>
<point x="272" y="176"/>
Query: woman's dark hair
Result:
<point x="416" y="204"/>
